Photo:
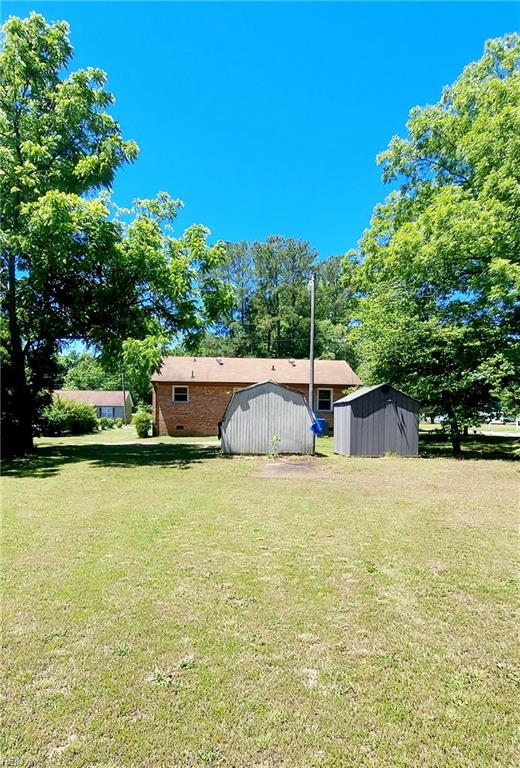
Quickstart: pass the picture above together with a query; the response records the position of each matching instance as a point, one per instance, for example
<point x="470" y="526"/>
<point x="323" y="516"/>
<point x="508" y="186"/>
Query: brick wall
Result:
<point x="199" y="416"/>
<point x="205" y="408"/>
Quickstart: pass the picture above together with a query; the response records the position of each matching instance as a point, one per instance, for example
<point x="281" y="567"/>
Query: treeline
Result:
<point x="270" y="313"/>
<point x="269" y="316"/>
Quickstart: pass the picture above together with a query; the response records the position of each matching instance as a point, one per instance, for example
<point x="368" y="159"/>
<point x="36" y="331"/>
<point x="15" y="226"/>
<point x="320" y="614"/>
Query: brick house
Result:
<point x="190" y="394"/>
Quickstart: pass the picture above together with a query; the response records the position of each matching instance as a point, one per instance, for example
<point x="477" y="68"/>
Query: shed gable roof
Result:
<point x="245" y="370"/>
<point x="365" y="390"/>
<point x="276" y="384"/>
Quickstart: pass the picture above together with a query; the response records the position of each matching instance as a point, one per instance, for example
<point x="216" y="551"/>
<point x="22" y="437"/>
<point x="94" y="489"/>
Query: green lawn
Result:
<point x="165" y="607"/>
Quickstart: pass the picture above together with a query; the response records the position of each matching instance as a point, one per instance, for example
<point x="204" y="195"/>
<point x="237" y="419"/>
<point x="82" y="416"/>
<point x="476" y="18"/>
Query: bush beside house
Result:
<point x="142" y="422"/>
<point x="63" y="417"/>
<point x="105" y="423"/>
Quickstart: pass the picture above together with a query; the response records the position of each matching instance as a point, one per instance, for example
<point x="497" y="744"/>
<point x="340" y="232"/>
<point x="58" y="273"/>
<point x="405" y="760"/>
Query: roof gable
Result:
<point x="276" y="385"/>
<point x="365" y="390"/>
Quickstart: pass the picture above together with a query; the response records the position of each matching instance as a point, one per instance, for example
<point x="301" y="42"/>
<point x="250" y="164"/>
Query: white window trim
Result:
<point x="180" y="386"/>
<point x="324" y="389"/>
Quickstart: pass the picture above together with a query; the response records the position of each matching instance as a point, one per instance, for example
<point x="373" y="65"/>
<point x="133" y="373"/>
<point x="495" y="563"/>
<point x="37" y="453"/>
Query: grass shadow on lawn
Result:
<point x="436" y="445"/>
<point x="47" y="460"/>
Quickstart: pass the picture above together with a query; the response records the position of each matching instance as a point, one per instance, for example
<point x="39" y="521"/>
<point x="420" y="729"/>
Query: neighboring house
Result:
<point x="190" y="394"/>
<point x="107" y="404"/>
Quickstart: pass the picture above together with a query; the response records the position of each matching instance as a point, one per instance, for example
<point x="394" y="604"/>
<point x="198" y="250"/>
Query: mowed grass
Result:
<point x="166" y="607"/>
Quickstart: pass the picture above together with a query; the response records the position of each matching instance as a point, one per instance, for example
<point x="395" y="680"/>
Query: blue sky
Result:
<point x="265" y="118"/>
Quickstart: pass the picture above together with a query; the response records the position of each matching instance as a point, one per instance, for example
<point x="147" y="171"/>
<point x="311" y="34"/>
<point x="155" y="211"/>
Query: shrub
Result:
<point x="118" y="423"/>
<point x="106" y="423"/>
<point x="68" y="417"/>
<point x="142" y="422"/>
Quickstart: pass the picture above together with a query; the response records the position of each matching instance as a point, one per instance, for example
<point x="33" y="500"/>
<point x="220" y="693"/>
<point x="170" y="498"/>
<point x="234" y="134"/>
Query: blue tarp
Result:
<point x="318" y="426"/>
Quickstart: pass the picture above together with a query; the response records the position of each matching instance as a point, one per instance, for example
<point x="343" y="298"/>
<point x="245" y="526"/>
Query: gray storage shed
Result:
<point x="376" y="420"/>
<point x="267" y="418"/>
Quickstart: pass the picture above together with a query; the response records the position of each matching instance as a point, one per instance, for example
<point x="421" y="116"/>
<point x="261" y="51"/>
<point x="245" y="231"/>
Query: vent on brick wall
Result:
<point x="179" y="426"/>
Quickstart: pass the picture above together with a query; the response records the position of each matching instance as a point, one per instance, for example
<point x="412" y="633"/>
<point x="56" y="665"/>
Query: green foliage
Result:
<point x="106" y="423"/>
<point x="437" y="274"/>
<point x="118" y="423"/>
<point x="64" y="416"/>
<point x="85" y="371"/>
<point x="140" y="359"/>
<point x="270" y="313"/>
<point x="142" y="422"/>
<point x="73" y="267"/>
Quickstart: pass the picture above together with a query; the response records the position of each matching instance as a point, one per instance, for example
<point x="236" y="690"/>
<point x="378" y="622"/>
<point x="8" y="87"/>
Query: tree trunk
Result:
<point x="455" y="434"/>
<point x="17" y="438"/>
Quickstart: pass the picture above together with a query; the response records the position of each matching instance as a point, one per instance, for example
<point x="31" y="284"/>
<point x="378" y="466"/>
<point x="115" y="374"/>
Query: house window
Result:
<point x="179" y="394"/>
<point x="324" y="399"/>
<point x="107" y="412"/>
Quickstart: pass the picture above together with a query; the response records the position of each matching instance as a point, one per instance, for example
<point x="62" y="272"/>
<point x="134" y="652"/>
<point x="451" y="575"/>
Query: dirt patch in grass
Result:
<point x="287" y="468"/>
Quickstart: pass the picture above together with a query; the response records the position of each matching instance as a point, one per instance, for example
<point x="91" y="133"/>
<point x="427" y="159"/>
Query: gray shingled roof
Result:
<point x="97" y="397"/>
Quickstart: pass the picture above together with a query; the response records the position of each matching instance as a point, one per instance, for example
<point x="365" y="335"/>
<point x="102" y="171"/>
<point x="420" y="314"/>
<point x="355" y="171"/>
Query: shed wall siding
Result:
<point x="259" y="414"/>
<point x="377" y="423"/>
<point x="403" y="438"/>
<point x="342" y="430"/>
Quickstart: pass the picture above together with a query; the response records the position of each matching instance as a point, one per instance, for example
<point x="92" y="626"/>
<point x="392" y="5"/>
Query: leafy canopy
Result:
<point x="269" y="315"/>
<point x="438" y="271"/>
<point x="74" y="266"/>
<point x="85" y="371"/>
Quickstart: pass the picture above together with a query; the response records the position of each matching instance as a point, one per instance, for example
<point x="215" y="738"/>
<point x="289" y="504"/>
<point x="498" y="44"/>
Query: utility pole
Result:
<point x="124" y="395"/>
<point x="312" y="289"/>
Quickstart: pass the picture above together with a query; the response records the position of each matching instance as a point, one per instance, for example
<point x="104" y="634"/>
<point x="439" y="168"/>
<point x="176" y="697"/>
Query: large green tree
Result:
<point x="438" y="271"/>
<point x="72" y="266"/>
<point x="280" y="301"/>
<point x="270" y="314"/>
<point x="83" y="370"/>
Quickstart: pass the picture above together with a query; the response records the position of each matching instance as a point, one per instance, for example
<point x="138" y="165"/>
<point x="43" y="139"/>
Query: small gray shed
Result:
<point x="267" y="418"/>
<point x="376" y="420"/>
